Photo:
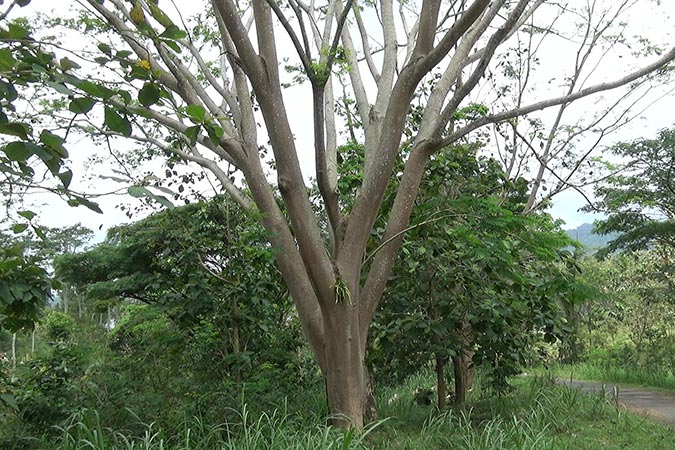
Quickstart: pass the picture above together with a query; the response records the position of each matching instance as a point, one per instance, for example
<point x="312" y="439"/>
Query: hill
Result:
<point x="591" y="241"/>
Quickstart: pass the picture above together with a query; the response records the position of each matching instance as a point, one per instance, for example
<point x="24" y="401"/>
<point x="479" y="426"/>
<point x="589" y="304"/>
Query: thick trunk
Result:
<point x="346" y="381"/>
<point x="440" y="383"/>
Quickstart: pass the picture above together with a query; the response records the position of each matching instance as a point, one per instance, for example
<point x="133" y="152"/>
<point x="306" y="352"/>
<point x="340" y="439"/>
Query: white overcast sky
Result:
<point x="53" y="212"/>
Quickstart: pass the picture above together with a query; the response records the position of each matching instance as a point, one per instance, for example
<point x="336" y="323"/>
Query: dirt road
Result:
<point x="658" y="405"/>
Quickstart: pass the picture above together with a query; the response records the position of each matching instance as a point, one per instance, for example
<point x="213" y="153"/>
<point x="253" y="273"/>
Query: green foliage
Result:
<point x="638" y="198"/>
<point x="58" y="326"/>
<point x="474" y="275"/>
<point x="25" y="67"/>
<point x="24" y="288"/>
<point x="626" y="326"/>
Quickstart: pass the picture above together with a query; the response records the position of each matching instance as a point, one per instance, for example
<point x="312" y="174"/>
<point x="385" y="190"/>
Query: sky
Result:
<point x="54" y="213"/>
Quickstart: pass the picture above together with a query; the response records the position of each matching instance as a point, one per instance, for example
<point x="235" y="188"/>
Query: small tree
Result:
<point x="477" y="282"/>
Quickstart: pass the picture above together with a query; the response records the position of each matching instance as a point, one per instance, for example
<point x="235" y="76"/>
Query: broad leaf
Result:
<point x="81" y="105"/>
<point x="27" y="214"/>
<point x="196" y="112"/>
<point x="15" y="129"/>
<point x="149" y="94"/>
<point x="116" y="122"/>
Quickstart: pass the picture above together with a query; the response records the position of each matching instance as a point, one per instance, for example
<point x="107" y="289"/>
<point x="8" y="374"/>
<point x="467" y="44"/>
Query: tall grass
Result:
<point x="536" y="416"/>
<point x="266" y="431"/>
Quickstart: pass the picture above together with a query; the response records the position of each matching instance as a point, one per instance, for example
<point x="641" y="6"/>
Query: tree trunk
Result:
<point x="32" y="341"/>
<point x="371" y="407"/>
<point x="461" y="378"/>
<point x="236" y="346"/>
<point x="65" y="296"/>
<point x="14" y="350"/>
<point x="440" y="383"/>
<point x="345" y="368"/>
<point x="464" y="367"/>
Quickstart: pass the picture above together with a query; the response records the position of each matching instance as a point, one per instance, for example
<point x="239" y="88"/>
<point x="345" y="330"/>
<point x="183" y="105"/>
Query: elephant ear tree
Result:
<point x="201" y="94"/>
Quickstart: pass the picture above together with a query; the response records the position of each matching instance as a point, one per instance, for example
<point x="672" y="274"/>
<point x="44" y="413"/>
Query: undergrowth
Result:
<point x="537" y="415"/>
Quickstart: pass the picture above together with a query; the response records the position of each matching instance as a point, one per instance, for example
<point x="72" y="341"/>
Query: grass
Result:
<point x="535" y="416"/>
<point x="622" y="375"/>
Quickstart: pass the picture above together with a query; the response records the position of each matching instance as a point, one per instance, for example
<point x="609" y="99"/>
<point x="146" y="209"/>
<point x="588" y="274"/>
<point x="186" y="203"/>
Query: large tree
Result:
<point x="210" y="92"/>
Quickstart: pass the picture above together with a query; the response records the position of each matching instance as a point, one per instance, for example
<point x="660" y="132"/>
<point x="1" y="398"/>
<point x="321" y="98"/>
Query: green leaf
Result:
<point x="15" y="129"/>
<point x="215" y="133"/>
<point x="16" y="31"/>
<point x="81" y="201"/>
<point x="55" y="142"/>
<point x="66" y="177"/>
<point x="173" y="32"/>
<point x="27" y="214"/>
<point x="192" y="133"/>
<point x="94" y="89"/>
<point x="116" y="122"/>
<point x="196" y="112"/>
<point x="172" y="45"/>
<point x="67" y="64"/>
<point x="138" y="191"/>
<point x="8" y="400"/>
<point x="149" y="94"/>
<point x="125" y="96"/>
<point x="17" y="151"/>
<point x="8" y="91"/>
<point x="7" y="61"/>
<point x="59" y="87"/>
<point x="19" y="227"/>
<point x="105" y="48"/>
<point x="81" y="105"/>
<point x="123" y="54"/>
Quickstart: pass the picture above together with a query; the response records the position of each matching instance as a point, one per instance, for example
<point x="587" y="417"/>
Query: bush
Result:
<point x="59" y="326"/>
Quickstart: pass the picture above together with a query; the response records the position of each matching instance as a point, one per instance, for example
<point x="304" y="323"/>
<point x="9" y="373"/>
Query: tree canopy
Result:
<point x="639" y="194"/>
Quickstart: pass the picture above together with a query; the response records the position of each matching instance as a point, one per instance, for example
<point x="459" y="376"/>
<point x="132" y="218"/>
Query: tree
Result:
<point x="204" y="263"/>
<point x="639" y="194"/>
<point x="477" y="282"/>
<point x="161" y="89"/>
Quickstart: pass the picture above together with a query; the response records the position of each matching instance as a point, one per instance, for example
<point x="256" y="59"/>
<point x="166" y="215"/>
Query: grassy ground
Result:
<point x="535" y="416"/>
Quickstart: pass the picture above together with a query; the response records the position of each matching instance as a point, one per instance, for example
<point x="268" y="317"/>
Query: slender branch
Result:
<point x="661" y="63"/>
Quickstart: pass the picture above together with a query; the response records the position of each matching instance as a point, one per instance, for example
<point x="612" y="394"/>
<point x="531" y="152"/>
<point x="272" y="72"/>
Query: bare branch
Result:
<point x="661" y="63"/>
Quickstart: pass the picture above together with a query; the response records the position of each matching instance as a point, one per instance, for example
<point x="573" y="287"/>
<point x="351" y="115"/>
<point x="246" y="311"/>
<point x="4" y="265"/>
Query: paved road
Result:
<point x="657" y="404"/>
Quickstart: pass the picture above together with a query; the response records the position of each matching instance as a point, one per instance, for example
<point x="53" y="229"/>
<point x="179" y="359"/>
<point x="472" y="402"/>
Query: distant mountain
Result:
<point x="591" y="242"/>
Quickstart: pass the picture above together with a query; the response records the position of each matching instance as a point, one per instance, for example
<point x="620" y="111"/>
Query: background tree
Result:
<point x="157" y="86"/>
<point x="639" y="194"/>
<point x="204" y="265"/>
<point x="477" y="282"/>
